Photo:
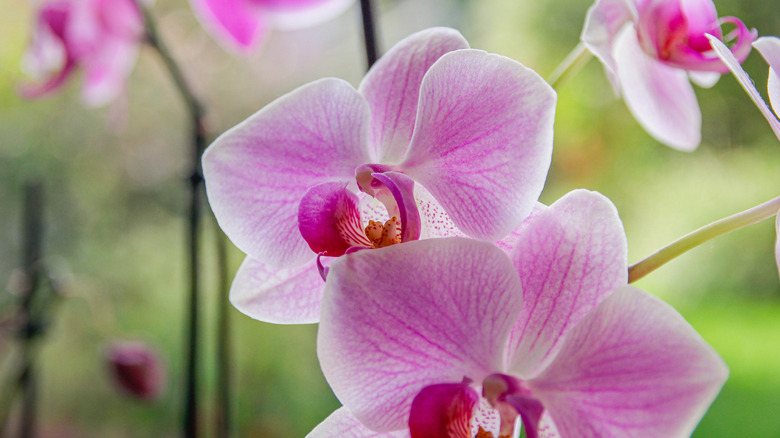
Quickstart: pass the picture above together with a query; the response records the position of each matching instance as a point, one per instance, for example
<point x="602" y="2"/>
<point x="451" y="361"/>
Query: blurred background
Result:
<point x="115" y="198"/>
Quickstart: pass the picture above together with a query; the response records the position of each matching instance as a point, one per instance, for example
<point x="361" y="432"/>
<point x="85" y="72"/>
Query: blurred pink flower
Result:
<point x="99" y="36"/>
<point x="242" y="24"/>
<point x="136" y="369"/>
<point x="438" y="140"/>
<point x="769" y="47"/>
<point x="651" y="48"/>
<point x="450" y="338"/>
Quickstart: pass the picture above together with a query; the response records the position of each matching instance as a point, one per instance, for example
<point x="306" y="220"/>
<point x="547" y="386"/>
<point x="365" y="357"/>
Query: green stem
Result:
<point x="703" y="234"/>
<point x="196" y="113"/>
<point x="572" y="64"/>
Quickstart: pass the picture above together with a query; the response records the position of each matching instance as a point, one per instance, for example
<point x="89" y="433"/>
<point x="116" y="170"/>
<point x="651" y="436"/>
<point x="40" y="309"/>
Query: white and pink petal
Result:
<point x="236" y="23"/>
<point x="257" y="172"/>
<point x="482" y="141"/>
<point x="398" y="319"/>
<point x="769" y="47"/>
<point x="632" y="367"/>
<point x="392" y="88"/>
<point x="660" y="97"/>
<point x="603" y="23"/>
<point x="341" y="423"/>
<point x="570" y="258"/>
<point x="278" y="296"/>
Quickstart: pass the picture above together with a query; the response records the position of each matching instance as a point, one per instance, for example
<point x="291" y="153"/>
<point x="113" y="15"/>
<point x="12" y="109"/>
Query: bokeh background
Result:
<point x="115" y="202"/>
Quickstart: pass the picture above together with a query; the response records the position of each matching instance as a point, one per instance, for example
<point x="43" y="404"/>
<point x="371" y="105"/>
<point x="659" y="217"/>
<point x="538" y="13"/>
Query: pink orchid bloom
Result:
<point x="651" y="48"/>
<point x="242" y="24"/>
<point x="438" y="140"/>
<point x="100" y="36"/>
<point x="443" y="339"/>
<point x="136" y="369"/>
<point x="769" y="47"/>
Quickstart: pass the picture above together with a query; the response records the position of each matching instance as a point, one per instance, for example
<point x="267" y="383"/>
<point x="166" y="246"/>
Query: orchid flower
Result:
<point x="452" y="338"/>
<point x="242" y="24"/>
<point x="651" y="48"/>
<point x="769" y="47"/>
<point x="438" y="140"/>
<point x="99" y="36"/>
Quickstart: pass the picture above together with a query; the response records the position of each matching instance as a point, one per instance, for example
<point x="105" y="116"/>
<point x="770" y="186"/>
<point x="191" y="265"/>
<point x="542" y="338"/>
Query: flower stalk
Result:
<point x="708" y="232"/>
<point x="570" y="66"/>
<point x="369" y="32"/>
<point x="196" y="114"/>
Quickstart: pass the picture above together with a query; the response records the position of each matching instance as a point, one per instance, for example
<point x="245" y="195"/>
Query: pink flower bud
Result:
<point x="136" y="369"/>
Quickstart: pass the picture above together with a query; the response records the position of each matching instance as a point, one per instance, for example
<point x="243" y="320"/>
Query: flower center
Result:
<point x="384" y="235"/>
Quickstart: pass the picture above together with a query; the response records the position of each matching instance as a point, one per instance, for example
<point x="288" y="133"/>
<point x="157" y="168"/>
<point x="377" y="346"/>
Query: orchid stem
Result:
<point x="31" y="265"/>
<point x="703" y="234"/>
<point x="196" y="113"/>
<point x="223" y="338"/>
<point x="572" y="64"/>
<point x="369" y="32"/>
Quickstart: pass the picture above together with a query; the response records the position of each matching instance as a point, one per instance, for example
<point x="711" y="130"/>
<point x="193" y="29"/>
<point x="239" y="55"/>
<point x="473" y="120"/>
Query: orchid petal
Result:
<point x="603" y="23"/>
<point x="704" y="79"/>
<point x="443" y="410"/>
<point x="777" y="242"/>
<point x="773" y="88"/>
<point x="747" y="84"/>
<point x="48" y="60"/>
<point x="660" y="97"/>
<point x="278" y="296"/>
<point x="257" y="172"/>
<point x="482" y="142"/>
<point x="435" y="222"/>
<point x="632" y="367"/>
<point x="341" y="423"/>
<point x="486" y="418"/>
<point x="106" y="71"/>
<point x="237" y="23"/>
<point x="291" y="15"/>
<point x="569" y="259"/>
<point x="402" y="188"/>
<point x="397" y="319"/>
<point x="512" y="239"/>
<point x="690" y="58"/>
<point x="392" y="88"/>
<point x="329" y="220"/>
<point x="701" y="18"/>
<point x="769" y="47"/>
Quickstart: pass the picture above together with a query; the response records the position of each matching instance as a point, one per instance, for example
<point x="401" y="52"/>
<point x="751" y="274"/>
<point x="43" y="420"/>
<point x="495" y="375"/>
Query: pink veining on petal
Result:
<point x="278" y="296"/>
<point x="342" y="424"/>
<point x="257" y="173"/>
<point x="482" y="141"/>
<point x="632" y="367"/>
<point x="392" y="89"/>
<point x="570" y="258"/>
<point x="431" y="311"/>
